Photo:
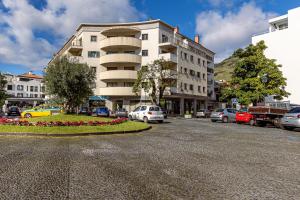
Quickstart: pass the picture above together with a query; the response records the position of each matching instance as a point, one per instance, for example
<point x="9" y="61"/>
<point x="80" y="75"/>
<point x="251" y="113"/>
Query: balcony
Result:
<point x="113" y="43"/>
<point x="168" y="44"/>
<point x="120" y="31"/>
<point x="75" y="48"/>
<point x="118" y="75"/>
<point x="169" y="57"/>
<point x="120" y="58"/>
<point x="117" y="91"/>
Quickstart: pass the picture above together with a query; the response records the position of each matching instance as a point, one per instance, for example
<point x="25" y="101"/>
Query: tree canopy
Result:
<point x="155" y="78"/>
<point x="255" y="77"/>
<point x="69" y="81"/>
<point x="3" y="94"/>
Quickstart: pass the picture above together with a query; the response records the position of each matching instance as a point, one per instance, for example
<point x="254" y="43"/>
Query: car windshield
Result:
<point x="243" y="110"/>
<point x="219" y="110"/>
<point x="154" y="109"/>
<point x="295" y="110"/>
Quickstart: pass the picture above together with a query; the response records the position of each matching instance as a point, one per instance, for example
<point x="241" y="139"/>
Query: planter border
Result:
<point x="72" y="134"/>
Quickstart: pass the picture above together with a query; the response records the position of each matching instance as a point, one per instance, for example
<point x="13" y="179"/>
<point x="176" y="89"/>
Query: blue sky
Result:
<point x="29" y="33"/>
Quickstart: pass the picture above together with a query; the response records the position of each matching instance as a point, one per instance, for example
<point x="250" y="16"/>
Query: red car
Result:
<point x="243" y="116"/>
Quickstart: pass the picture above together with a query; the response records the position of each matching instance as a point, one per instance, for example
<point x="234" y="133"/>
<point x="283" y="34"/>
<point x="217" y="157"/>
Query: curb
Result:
<point x="73" y="134"/>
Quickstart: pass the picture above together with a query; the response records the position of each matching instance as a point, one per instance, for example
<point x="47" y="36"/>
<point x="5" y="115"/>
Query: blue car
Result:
<point x="102" y="111"/>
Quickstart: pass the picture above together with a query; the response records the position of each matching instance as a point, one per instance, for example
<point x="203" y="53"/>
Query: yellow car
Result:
<point x="36" y="112"/>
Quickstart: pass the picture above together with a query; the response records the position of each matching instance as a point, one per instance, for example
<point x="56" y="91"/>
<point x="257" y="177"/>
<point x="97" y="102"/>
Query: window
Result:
<point x="128" y="84"/>
<point x="131" y="52"/>
<point x="31" y="95"/>
<point x="93" y="54"/>
<point x="42" y="96"/>
<point x="191" y="87"/>
<point x="164" y="38"/>
<point x="185" y="70"/>
<point x="192" y="72"/>
<point x="20" y="95"/>
<point x="112" y="84"/>
<point x="199" y="89"/>
<point x="93" y="38"/>
<point x="20" y="87"/>
<point x="185" y="56"/>
<point x="199" y="61"/>
<point x="144" y="36"/>
<point x="31" y="88"/>
<point x="112" y="68"/>
<point x="143" y="108"/>
<point x="180" y="69"/>
<point x="203" y="76"/>
<point x="295" y="110"/>
<point x="154" y="109"/>
<point x="203" y="63"/>
<point x="9" y="87"/>
<point x="192" y="58"/>
<point x="185" y="86"/>
<point x="42" y="88"/>
<point x="137" y="109"/>
<point x="35" y="95"/>
<point x="144" y="52"/>
<point x="36" y="88"/>
<point x="204" y="90"/>
<point x="94" y="69"/>
<point x="198" y="74"/>
<point x="181" y="55"/>
<point x="129" y="68"/>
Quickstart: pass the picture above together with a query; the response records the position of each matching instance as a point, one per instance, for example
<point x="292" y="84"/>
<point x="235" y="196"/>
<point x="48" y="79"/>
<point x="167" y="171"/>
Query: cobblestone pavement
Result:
<point x="181" y="159"/>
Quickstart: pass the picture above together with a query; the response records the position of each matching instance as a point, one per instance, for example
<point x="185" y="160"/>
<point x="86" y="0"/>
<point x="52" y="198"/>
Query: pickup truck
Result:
<point x="269" y="113"/>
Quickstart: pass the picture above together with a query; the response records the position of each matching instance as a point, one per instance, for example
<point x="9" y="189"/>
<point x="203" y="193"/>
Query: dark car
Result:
<point x="84" y="111"/>
<point x="164" y="112"/>
<point x="121" y="112"/>
<point x="13" y="111"/>
<point x="101" y="111"/>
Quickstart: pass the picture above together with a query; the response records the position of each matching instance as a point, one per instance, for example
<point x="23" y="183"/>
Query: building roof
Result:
<point x="30" y="75"/>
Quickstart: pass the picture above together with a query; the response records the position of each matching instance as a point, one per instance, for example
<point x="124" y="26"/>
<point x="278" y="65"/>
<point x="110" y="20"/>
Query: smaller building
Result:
<point x="25" y="90"/>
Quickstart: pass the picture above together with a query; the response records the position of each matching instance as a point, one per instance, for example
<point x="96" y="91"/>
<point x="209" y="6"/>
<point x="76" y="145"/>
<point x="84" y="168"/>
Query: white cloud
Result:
<point x="225" y="33"/>
<point x="59" y="18"/>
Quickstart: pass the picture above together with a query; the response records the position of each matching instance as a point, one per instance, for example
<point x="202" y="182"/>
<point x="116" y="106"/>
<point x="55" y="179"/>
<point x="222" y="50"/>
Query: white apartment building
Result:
<point x="283" y="42"/>
<point x="117" y="51"/>
<point x="24" y="89"/>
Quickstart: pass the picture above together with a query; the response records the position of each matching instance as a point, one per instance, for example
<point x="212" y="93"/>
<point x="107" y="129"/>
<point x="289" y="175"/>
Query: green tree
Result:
<point x="155" y="78"/>
<point x="255" y="77"/>
<point x="69" y="81"/>
<point x="3" y="94"/>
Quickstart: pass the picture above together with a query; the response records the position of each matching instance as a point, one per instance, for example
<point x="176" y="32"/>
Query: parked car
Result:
<point x="243" y="116"/>
<point x="147" y="114"/>
<point x="291" y="119"/>
<point x="36" y="112"/>
<point x="121" y="112"/>
<point x="224" y="115"/>
<point x="84" y="111"/>
<point x="165" y="113"/>
<point x="13" y="111"/>
<point x="203" y="113"/>
<point x="101" y="111"/>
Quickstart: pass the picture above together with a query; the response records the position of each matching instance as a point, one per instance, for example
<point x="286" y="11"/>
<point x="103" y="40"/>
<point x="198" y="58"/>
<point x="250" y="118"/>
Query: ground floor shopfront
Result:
<point x="175" y="105"/>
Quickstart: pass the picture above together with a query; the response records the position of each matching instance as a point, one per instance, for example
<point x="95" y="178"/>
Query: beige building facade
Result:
<point x="117" y="51"/>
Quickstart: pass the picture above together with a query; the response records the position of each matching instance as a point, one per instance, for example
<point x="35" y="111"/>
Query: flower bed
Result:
<point x="5" y="121"/>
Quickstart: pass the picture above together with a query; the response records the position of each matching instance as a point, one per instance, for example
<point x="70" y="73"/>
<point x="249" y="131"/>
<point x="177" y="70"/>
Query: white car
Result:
<point x="147" y="113"/>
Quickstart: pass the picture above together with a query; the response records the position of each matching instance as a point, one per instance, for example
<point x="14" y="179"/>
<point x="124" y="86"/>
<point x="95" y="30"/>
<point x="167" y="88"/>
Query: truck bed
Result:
<point x="267" y="110"/>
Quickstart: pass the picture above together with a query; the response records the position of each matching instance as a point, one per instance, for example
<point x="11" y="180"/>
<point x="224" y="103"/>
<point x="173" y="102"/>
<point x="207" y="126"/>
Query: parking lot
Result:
<point x="179" y="159"/>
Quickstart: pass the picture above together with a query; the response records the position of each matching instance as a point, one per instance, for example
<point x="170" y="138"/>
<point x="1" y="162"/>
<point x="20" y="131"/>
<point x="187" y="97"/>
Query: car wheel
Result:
<point x="225" y="120"/>
<point x="252" y="122"/>
<point x="145" y="119"/>
<point x="160" y="121"/>
<point x="27" y="115"/>
<point x="130" y="118"/>
<point x="288" y="128"/>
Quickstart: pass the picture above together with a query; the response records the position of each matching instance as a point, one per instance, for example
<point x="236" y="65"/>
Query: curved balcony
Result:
<point x="117" y="91"/>
<point x="120" y="31"/>
<point x="129" y="43"/>
<point x="118" y="75"/>
<point x="120" y="58"/>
